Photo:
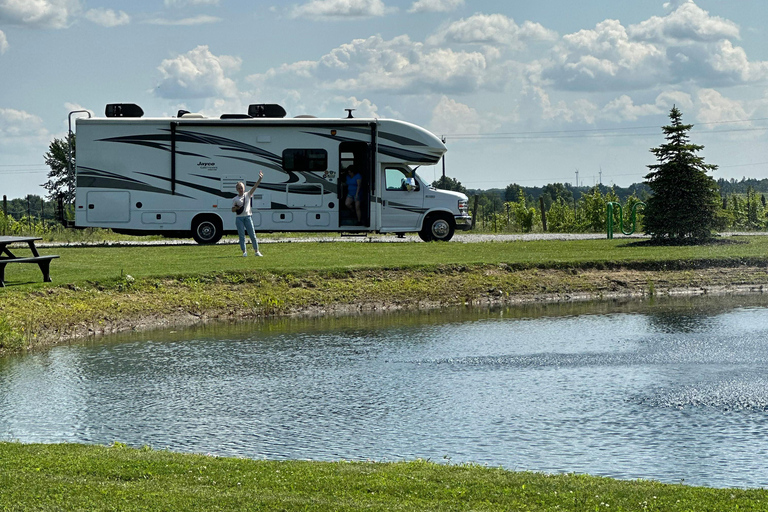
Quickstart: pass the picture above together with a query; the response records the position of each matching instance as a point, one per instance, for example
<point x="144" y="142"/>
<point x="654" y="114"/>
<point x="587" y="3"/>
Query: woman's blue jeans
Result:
<point x="246" y="224"/>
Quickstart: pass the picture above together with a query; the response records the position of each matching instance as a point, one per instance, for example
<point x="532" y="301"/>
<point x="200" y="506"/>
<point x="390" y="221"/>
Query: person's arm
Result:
<point x="357" y="192"/>
<point x="253" y="189"/>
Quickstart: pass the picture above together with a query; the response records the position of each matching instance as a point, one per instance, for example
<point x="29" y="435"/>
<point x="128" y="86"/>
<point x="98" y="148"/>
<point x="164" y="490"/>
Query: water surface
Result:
<point x="672" y="390"/>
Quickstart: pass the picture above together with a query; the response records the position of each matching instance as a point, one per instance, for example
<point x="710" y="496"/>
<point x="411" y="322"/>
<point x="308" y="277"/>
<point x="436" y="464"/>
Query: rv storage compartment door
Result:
<point x="304" y="195"/>
<point x="108" y="207"/>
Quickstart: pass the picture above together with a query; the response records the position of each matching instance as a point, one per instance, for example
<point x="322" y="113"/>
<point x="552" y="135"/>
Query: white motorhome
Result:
<point x="177" y="175"/>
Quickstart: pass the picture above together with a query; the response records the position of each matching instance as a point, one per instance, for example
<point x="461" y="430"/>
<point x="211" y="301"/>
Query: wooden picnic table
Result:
<point x="6" y="256"/>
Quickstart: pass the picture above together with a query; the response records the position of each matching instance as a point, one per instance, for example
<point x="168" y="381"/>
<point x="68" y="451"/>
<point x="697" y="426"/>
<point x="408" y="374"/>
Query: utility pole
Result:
<point x="443" y="140"/>
<point x="601" y="175"/>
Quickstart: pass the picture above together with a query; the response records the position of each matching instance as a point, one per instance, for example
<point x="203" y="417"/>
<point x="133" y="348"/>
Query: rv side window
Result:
<point x="305" y="160"/>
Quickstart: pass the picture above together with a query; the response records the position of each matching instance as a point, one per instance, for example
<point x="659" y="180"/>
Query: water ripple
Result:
<point x="727" y="395"/>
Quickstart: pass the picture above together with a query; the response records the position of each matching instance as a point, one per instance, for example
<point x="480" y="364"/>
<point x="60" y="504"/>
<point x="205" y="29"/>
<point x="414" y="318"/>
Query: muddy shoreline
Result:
<point x="489" y="287"/>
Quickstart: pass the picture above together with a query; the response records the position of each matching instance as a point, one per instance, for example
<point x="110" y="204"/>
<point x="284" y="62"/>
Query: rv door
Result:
<point x="402" y="199"/>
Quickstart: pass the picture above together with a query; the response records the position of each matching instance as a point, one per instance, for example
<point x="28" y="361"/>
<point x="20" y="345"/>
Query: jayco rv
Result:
<point x="177" y="175"/>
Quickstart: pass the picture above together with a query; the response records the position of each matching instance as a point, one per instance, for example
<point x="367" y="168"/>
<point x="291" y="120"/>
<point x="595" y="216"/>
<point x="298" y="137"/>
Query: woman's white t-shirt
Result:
<point x="244" y="199"/>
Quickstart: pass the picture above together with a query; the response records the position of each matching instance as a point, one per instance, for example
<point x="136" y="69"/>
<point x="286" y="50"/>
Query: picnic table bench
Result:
<point x="6" y="256"/>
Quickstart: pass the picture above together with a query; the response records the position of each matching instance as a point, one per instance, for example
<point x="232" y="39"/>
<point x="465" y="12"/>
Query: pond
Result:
<point x="671" y="390"/>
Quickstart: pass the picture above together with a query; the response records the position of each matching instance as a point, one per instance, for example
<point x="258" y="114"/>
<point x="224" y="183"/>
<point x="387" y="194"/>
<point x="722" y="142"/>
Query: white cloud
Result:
<point x="666" y="100"/>
<point x="491" y="29"/>
<point x="363" y="107"/>
<point x="197" y="20"/>
<point x="623" y="108"/>
<point x="39" y="13"/>
<point x="605" y="58"/>
<point x="398" y="66"/>
<point x="686" y="46"/>
<point x="550" y="110"/>
<point x="181" y="3"/>
<point x="716" y="108"/>
<point x="20" y="124"/>
<point x="436" y="5"/>
<point x="107" y="17"/>
<point x="686" y="22"/>
<point x="3" y="43"/>
<point x="198" y="74"/>
<point x="340" y="9"/>
<point x="450" y="116"/>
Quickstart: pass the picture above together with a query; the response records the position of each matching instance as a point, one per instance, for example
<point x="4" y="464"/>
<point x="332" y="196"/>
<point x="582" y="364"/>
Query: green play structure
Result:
<point x="609" y="218"/>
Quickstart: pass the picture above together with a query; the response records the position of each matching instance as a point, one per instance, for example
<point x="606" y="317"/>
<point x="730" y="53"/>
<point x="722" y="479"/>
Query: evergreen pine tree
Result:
<point x="685" y="198"/>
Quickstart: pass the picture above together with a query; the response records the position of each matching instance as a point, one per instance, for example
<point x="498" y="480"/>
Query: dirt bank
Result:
<point x="62" y="314"/>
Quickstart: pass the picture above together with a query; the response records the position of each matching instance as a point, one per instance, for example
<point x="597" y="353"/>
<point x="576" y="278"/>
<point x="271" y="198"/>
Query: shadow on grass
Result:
<point x="684" y="242"/>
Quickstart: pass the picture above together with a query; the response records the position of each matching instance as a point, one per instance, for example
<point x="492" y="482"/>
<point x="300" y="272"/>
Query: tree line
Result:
<point x="681" y="201"/>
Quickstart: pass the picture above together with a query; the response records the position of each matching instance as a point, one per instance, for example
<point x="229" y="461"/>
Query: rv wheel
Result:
<point x="438" y="229"/>
<point x="206" y="230"/>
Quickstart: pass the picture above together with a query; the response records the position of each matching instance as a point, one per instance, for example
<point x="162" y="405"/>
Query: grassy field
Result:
<point x="94" y="264"/>
<point x="95" y="478"/>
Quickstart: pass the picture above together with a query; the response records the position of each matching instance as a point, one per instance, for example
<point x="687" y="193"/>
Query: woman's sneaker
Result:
<point x="245" y="254"/>
<point x="259" y="255"/>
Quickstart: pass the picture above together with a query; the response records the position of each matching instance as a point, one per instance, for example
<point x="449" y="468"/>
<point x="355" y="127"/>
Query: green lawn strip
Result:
<point x="94" y="264"/>
<point x="78" y="477"/>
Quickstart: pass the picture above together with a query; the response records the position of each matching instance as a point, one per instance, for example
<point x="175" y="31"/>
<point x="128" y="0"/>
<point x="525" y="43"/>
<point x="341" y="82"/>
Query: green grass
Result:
<point x="95" y="478"/>
<point x="92" y="264"/>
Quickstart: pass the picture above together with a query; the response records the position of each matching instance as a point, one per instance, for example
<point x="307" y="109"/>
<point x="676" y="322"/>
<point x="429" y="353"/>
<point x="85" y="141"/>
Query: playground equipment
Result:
<point x="609" y="218"/>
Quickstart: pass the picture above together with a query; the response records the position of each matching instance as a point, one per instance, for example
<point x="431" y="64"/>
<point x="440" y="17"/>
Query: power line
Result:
<point x="598" y="132"/>
<point x="586" y="135"/>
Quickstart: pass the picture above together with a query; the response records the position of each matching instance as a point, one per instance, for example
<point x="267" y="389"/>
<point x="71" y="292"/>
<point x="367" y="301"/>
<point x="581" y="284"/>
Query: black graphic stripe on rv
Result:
<point x="408" y="156"/>
<point x="226" y="144"/>
<point x="95" y="178"/>
<point x="195" y="186"/>
<point x="328" y="187"/>
<point x="269" y="165"/>
<point x="150" y="141"/>
<point x="162" y="141"/>
<point x="399" y="153"/>
<point x="406" y="207"/>
<point x="399" y="139"/>
<point x="280" y="187"/>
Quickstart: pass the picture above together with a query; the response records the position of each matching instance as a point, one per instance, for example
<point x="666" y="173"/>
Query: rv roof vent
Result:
<point x="235" y="116"/>
<point x="266" y="110"/>
<point x="192" y="115"/>
<point x="123" y="110"/>
<point x="181" y="113"/>
<point x="306" y="116"/>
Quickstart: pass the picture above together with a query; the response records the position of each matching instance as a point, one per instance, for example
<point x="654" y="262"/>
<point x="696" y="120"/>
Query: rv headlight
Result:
<point x="463" y="206"/>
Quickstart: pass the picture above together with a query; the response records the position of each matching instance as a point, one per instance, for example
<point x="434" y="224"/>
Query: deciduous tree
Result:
<point x="61" y="177"/>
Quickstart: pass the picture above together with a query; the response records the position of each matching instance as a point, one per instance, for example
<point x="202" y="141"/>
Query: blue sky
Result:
<point x="524" y="92"/>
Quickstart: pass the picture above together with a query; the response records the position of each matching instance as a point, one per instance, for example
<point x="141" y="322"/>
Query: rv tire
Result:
<point x="207" y="229"/>
<point x="437" y="228"/>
